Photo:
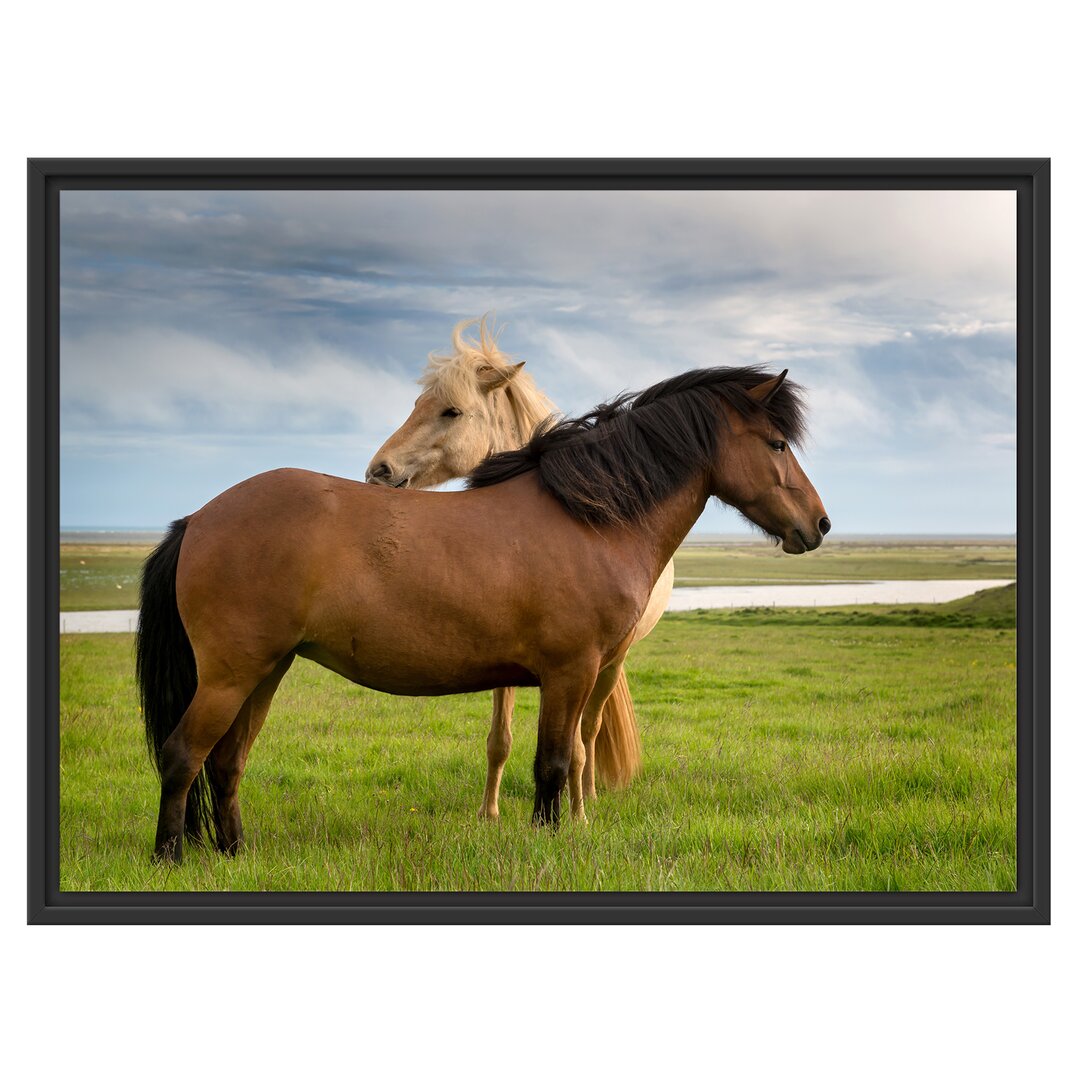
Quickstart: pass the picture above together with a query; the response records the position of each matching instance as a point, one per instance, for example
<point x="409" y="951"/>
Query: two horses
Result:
<point x="537" y="575"/>
<point x="476" y="403"/>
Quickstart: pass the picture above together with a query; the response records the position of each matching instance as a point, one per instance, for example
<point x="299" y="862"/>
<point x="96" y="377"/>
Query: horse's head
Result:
<point x="757" y="473"/>
<point x="449" y="433"/>
<point x="475" y="403"/>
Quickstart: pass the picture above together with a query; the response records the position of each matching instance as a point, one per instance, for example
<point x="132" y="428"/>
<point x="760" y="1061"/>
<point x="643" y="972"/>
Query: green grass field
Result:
<point x="830" y="749"/>
<point x="96" y="577"/>
<point x="750" y="564"/>
<point x="100" y="577"/>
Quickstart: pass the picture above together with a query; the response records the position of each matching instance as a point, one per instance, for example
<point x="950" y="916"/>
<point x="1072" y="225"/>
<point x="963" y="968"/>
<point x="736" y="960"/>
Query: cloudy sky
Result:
<point x="207" y="336"/>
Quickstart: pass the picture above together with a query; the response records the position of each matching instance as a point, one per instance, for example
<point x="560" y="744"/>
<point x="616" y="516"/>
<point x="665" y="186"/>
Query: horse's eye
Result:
<point x="451" y="412"/>
<point x="779" y="446"/>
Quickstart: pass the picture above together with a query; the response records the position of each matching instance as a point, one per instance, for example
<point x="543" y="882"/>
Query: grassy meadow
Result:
<point x="761" y="562"/>
<point x="100" y="577"/>
<point x="833" y="749"/>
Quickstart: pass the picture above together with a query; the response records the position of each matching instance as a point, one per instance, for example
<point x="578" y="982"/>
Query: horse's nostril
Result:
<point x="379" y="471"/>
<point x="824" y="525"/>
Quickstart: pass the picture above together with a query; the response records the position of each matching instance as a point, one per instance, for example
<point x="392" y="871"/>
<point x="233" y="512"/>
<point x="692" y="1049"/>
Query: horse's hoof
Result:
<point x="485" y="815"/>
<point x="169" y="854"/>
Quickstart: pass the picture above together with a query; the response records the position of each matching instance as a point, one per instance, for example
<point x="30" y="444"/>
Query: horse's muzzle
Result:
<point x="381" y="473"/>
<point x="798" y="542"/>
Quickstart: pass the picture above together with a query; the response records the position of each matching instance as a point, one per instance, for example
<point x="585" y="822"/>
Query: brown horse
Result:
<point x="405" y="592"/>
<point x="475" y="402"/>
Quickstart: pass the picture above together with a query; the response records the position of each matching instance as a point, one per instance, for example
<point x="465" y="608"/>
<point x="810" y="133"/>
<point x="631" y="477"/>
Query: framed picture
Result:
<point x="704" y="577"/>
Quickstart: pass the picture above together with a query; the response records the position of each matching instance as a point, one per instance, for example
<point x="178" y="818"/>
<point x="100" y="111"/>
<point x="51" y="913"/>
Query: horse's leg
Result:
<point x="577" y="767"/>
<point x="209" y="716"/>
<point x="610" y="732"/>
<point x="562" y="697"/>
<point x="499" y="741"/>
<point x="228" y="758"/>
<point x="590" y="724"/>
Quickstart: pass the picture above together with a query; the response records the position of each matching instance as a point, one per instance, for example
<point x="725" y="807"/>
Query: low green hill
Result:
<point x="994" y="604"/>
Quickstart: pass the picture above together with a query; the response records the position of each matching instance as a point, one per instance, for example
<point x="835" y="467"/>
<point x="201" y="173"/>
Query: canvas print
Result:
<point x="516" y="541"/>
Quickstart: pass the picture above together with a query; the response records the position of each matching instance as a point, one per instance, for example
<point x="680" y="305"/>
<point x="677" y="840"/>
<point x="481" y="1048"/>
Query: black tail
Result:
<point x="165" y="671"/>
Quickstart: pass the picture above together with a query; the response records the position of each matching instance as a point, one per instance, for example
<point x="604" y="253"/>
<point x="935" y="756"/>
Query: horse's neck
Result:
<point x="520" y="412"/>
<point x="664" y="528"/>
<point x="504" y="431"/>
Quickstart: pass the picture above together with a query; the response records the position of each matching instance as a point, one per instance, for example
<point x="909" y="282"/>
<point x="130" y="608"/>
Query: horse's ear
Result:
<point x="763" y="392"/>
<point x="491" y="378"/>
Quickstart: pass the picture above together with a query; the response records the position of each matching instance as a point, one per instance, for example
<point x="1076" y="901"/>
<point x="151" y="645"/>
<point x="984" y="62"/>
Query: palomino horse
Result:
<point x="476" y="403"/>
<point x="405" y="591"/>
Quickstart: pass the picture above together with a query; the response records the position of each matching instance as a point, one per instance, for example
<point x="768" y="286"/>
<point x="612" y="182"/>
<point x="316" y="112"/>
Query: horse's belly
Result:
<point x="421" y="676"/>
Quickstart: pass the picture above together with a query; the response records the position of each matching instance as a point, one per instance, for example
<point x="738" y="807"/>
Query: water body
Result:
<point x="827" y="594"/>
<point x="98" y="622"/>
<point x="687" y="599"/>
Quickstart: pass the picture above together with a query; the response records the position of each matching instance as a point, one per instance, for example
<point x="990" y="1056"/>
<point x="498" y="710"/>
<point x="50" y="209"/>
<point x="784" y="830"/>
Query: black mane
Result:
<point x="613" y="464"/>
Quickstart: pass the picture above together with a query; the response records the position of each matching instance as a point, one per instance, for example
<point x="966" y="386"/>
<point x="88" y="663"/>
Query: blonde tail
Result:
<point x="618" y="744"/>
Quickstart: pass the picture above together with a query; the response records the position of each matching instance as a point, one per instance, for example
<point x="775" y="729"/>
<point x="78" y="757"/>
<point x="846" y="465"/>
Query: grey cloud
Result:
<point x="221" y="316"/>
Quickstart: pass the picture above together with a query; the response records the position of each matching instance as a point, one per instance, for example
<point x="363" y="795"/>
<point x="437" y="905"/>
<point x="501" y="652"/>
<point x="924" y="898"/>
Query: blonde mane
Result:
<point x="453" y="379"/>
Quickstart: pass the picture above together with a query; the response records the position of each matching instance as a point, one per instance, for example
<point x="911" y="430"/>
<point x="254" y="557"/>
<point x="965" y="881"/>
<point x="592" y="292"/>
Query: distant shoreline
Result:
<point x="716" y="539"/>
<point x="132" y="537"/>
<point x="149" y="536"/>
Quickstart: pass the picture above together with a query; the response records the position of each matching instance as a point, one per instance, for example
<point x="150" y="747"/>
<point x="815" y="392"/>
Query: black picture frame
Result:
<point x="1029" y="904"/>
